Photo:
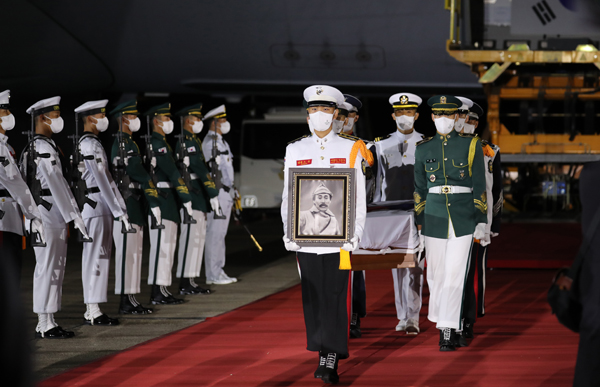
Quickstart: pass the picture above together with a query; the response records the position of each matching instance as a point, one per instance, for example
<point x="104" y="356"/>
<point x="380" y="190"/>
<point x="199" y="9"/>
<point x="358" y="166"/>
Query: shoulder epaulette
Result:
<point x="348" y="137"/>
<point x="469" y="135"/>
<point x="298" y="139"/>
<point x="424" y="140"/>
<point x="382" y="138"/>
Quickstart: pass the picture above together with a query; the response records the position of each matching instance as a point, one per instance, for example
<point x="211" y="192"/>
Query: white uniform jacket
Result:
<point x="331" y="151"/>
<point x="226" y="159"/>
<point x="49" y="173"/>
<point x="12" y="181"/>
<point x="97" y="175"/>
<point x="393" y="153"/>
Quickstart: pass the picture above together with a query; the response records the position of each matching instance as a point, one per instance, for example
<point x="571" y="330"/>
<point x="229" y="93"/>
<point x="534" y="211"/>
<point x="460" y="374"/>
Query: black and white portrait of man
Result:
<point x="319" y="219"/>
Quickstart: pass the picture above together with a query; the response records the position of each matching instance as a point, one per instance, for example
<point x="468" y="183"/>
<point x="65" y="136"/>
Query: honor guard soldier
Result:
<point x="133" y="182"/>
<point x="161" y="163"/>
<point x="103" y="203"/>
<point x="204" y="199"/>
<point x="395" y="181"/>
<point x="451" y="208"/>
<point x="352" y="113"/>
<point x="342" y="118"/>
<point x="221" y="164"/>
<point x="475" y="292"/>
<point x="57" y="206"/>
<point x="324" y="285"/>
<point x="13" y="189"/>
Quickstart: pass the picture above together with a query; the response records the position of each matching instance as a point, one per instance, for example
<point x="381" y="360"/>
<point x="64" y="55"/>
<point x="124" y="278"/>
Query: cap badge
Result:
<point x="442" y="99"/>
<point x="319" y="90"/>
<point x="404" y="100"/>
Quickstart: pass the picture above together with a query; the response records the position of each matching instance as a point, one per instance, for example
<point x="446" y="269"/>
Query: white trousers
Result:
<point x="216" y="230"/>
<point x="95" y="260"/>
<point x="191" y="246"/>
<point x="447" y="267"/>
<point x="128" y="259"/>
<point x="408" y="291"/>
<point x="162" y="253"/>
<point x="50" y="269"/>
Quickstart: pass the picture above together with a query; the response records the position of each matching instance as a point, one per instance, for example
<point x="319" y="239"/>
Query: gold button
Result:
<point x="322" y="157"/>
<point x="446" y="159"/>
<point x="322" y="147"/>
<point x="448" y="136"/>
<point x="445" y="143"/>
<point x="405" y="141"/>
<point x="449" y="204"/>
<point x="441" y="137"/>
<point x="404" y="156"/>
<point x="461" y="163"/>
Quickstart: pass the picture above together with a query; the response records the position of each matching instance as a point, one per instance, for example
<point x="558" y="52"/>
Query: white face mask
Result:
<point x="134" y="125"/>
<point x="197" y="127"/>
<point x="458" y="125"/>
<point x="349" y="126"/>
<point x="7" y="122"/>
<point x="225" y="127"/>
<point x="337" y="126"/>
<point x="167" y="127"/>
<point x="101" y="124"/>
<point x="405" y="122"/>
<point x="321" y="121"/>
<point x="469" y="129"/>
<point x="444" y="125"/>
<point x="57" y="124"/>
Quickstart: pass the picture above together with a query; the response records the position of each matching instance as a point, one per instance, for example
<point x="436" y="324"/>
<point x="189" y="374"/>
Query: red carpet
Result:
<point x="535" y="245"/>
<point x="518" y="343"/>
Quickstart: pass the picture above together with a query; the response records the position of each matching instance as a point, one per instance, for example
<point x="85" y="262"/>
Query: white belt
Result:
<point x="164" y="184"/>
<point x="450" y="189"/>
<point x="135" y="185"/>
<point x="193" y="176"/>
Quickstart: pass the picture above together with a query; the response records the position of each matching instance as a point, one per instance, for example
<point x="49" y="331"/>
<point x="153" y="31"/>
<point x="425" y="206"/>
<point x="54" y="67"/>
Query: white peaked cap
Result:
<point x="92" y="105"/>
<point x="5" y="97"/>
<point x="45" y="103"/>
<point x="217" y="112"/>
<point x="345" y="105"/>
<point x="466" y="103"/>
<point x="323" y="93"/>
<point x="408" y="100"/>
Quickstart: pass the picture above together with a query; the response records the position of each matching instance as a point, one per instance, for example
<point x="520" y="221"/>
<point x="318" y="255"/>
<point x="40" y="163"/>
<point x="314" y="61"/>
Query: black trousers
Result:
<point x="325" y="303"/>
<point x="474" y="303"/>
<point x="11" y="248"/>
<point x="588" y="355"/>
<point x="359" y="293"/>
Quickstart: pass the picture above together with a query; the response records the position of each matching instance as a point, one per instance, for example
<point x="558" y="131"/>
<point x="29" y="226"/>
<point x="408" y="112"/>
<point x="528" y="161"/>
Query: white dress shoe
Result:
<point x="401" y="325"/>
<point x="412" y="327"/>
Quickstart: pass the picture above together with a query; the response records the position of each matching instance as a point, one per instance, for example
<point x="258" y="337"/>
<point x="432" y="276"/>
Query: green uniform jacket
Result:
<point x="203" y="187"/>
<point x="137" y="174"/>
<point x="166" y="171"/>
<point x="455" y="160"/>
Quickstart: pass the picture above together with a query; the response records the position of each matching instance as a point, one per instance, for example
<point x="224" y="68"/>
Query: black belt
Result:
<point x="226" y="188"/>
<point x="4" y="193"/>
<point x="92" y="190"/>
<point x="46" y="192"/>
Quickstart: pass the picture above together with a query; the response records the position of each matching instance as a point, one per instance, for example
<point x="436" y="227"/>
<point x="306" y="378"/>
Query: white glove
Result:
<point x="78" y="223"/>
<point x="353" y="245"/>
<point x="421" y="245"/>
<point x="37" y="226"/>
<point x="188" y="207"/>
<point x="494" y="234"/>
<point x="153" y="162"/>
<point x="218" y="159"/>
<point x="126" y="224"/>
<point x="289" y="245"/>
<point x="156" y="213"/>
<point x="186" y="161"/>
<point x="214" y="203"/>
<point x="81" y="167"/>
<point x="479" y="231"/>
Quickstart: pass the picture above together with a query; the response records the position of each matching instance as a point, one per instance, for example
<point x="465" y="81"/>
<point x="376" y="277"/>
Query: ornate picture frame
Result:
<point x="313" y="219"/>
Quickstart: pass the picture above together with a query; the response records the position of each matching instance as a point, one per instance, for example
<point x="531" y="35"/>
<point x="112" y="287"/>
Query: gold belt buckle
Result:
<point x="445" y="189"/>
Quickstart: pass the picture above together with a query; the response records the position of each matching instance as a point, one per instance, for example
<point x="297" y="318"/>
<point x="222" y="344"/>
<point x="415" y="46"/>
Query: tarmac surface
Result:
<point x="259" y="275"/>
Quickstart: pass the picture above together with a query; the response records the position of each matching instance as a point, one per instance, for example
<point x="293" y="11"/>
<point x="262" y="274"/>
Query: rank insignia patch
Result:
<point x="490" y="168"/>
<point x="337" y="161"/>
<point x="461" y="174"/>
<point x="432" y="178"/>
<point x="303" y="162"/>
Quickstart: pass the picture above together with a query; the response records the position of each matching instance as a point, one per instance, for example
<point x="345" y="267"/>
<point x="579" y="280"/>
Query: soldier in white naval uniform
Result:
<point x="324" y="285"/>
<point x="15" y="198"/>
<point x="216" y="229"/>
<point x="395" y="181"/>
<point x="56" y="194"/>
<point x="102" y="190"/>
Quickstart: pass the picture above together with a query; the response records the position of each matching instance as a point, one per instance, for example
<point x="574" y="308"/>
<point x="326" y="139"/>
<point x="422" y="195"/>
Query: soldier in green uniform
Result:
<point x="451" y="209"/>
<point x="204" y="198"/>
<point x="134" y="183"/>
<point x="169" y="183"/>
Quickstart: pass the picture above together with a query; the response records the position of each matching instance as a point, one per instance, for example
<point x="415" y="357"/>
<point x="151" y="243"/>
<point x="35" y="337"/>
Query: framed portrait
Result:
<point x="321" y="206"/>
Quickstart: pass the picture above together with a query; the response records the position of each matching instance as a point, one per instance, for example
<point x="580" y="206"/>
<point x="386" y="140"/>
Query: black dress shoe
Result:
<point x="102" y="320"/>
<point x="459" y="340"/>
<point x="330" y="375"/>
<point x="355" y="332"/>
<point x="194" y="290"/>
<point x="129" y="305"/>
<point x="161" y="296"/>
<point x="55" y="333"/>
<point x="447" y="340"/>
<point x="321" y="368"/>
<point x="468" y="330"/>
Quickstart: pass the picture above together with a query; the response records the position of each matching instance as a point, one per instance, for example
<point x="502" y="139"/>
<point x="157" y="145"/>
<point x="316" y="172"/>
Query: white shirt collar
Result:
<point x="330" y="136"/>
<point x="3" y="138"/>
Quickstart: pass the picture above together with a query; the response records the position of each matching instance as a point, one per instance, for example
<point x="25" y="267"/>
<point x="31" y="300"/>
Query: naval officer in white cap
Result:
<point x="395" y="181"/>
<point x="324" y="285"/>
<point x="102" y="190"/>
<point x="58" y="207"/>
<point x="218" y="153"/>
<point x="13" y="191"/>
